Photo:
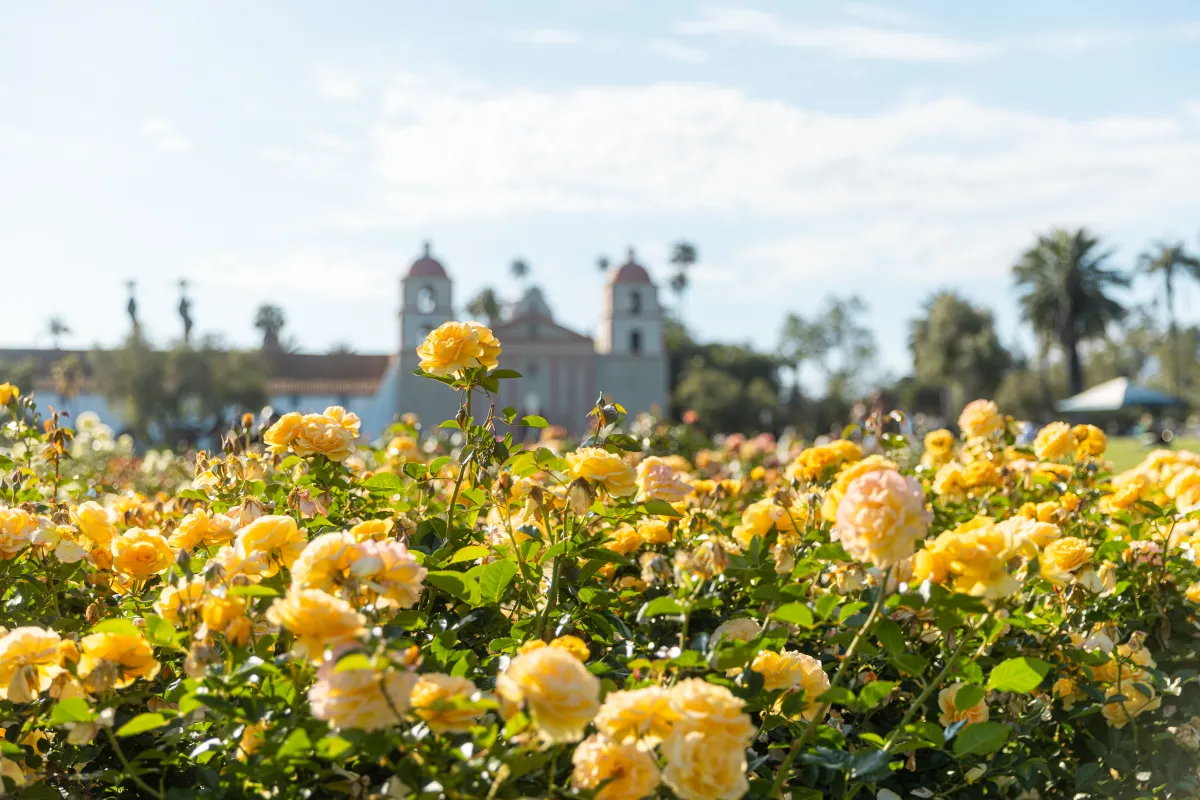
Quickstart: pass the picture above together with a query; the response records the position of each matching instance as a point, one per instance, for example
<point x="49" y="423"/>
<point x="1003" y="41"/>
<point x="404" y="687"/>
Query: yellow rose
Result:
<point x="325" y="562"/>
<point x="789" y="670"/>
<point x="813" y="462"/>
<point x="626" y="772"/>
<point x="202" y="529"/>
<point x="141" y="553"/>
<point x="1090" y="441"/>
<point x="624" y="540"/>
<point x="657" y="480"/>
<point x="952" y="713"/>
<point x="1068" y="692"/>
<point x="179" y="602"/>
<point x="556" y="690"/>
<point x="227" y="615"/>
<point x="974" y="560"/>
<point x="1054" y="441"/>
<point x="1139" y="698"/>
<point x="280" y="436"/>
<point x="17" y="527"/>
<point x="1031" y="535"/>
<point x="1193" y="592"/>
<point x="881" y="517"/>
<point x="489" y="345"/>
<point x="363" y="698"/>
<point x="607" y="469"/>
<point x="939" y="448"/>
<point x="373" y="529"/>
<point x="950" y="482"/>
<point x="1063" y="557"/>
<point x="331" y="434"/>
<point x="846" y="476"/>
<point x="30" y="660"/>
<point x="981" y="474"/>
<point x="94" y="522"/>
<point x="705" y="766"/>
<point x="443" y="703"/>
<point x="573" y="645"/>
<point x="454" y="347"/>
<point x="1129" y="663"/>
<point x="317" y="620"/>
<point x="740" y="629"/>
<point x="270" y="542"/>
<point x="638" y="715"/>
<point x="115" y="660"/>
<point x="8" y="393"/>
<point x="703" y="706"/>
<point x="980" y="419"/>
<point x="654" y="531"/>
<point x="390" y="575"/>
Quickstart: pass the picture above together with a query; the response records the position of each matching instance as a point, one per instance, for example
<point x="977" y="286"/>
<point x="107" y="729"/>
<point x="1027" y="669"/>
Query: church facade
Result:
<point x="563" y="371"/>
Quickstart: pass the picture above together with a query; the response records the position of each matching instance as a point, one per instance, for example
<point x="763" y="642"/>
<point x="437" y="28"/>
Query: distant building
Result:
<point x="563" y="371"/>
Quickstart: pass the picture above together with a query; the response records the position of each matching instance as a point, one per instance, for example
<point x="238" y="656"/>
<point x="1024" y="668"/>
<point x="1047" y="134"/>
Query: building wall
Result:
<point x="639" y="383"/>
<point x="558" y="381"/>
<point x="79" y="404"/>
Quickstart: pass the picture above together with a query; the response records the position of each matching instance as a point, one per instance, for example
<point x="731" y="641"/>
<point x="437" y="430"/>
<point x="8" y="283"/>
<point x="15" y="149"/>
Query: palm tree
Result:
<point x="269" y="319"/>
<point x="602" y="263"/>
<point x="485" y="305"/>
<point x="1064" y="279"/>
<point x="58" y="329"/>
<point x="1171" y="261"/>
<point x="519" y="269"/>
<point x="683" y="256"/>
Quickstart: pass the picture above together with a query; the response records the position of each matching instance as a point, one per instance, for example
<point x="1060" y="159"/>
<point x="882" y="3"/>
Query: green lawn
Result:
<point x="1126" y="451"/>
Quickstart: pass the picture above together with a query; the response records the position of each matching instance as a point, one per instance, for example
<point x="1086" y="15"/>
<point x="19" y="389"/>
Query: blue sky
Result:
<point x="300" y="152"/>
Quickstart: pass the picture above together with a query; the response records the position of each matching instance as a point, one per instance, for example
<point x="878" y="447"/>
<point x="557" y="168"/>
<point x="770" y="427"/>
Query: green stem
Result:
<point x="928" y="690"/>
<point x="785" y="768"/>
<point x="462" y="473"/>
<point x="125" y="769"/>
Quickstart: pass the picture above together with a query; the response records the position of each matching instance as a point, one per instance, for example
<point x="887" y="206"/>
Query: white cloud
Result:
<point x="336" y="84"/>
<point x="544" y="36"/>
<point x="876" y="15"/>
<point x="677" y="50"/>
<point x="845" y="41"/>
<point x="163" y="135"/>
<point x="933" y="187"/>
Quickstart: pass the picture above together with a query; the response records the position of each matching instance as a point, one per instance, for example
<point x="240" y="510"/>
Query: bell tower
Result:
<point x="632" y="324"/>
<point x="426" y="300"/>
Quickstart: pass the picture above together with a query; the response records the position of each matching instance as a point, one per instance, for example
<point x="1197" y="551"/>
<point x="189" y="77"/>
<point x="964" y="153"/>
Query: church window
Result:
<point x="635" y="303"/>
<point x="635" y="342"/>
<point x="426" y="299"/>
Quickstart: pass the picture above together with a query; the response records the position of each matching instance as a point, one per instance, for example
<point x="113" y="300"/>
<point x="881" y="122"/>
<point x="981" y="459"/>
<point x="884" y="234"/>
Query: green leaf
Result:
<point x="252" y="590"/>
<point x="875" y="693"/>
<point x="40" y="791"/>
<point x="383" y="482"/>
<point x="296" y="744"/>
<point x="534" y="421"/>
<point x="142" y="723"/>
<point x="74" y="709"/>
<point x="658" y="607"/>
<point x="332" y="746"/>
<point x="890" y="636"/>
<point x="968" y="696"/>
<point x="794" y="613"/>
<point x="660" y="508"/>
<point x="1019" y="675"/>
<point x="436" y="465"/>
<point x="456" y="584"/>
<point x="826" y="604"/>
<point x="193" y="494"/>
<point x="160" y="631"/>
<point x="415" y="470"/>
<point x="624" y="442"/>
<point x="495" y="579"/>
<point x="122" y="626"/>
<point x="353" y="661"/>
<point x="505" y="373"/>
<point x="471" y="552"/>
<point x="981" y="738"/>
<point x="869" y="765"/>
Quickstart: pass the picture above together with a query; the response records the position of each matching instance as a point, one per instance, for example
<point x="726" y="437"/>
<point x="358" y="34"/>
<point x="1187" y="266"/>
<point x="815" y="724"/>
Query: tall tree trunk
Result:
<point x="1070" y="345"/>
<point x="1176" y="377"/>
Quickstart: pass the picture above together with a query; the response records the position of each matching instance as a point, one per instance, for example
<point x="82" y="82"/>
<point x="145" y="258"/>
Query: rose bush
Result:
<point x="450" y="614"/>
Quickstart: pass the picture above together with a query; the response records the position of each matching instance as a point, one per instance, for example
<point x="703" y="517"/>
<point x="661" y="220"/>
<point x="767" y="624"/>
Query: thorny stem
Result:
<point x="785" y="768"/>
<point x="462" y="473"/>
<point x="125" y="769"/>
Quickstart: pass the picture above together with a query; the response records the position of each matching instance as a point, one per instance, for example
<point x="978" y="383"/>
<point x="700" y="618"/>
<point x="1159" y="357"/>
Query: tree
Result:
<point x="485" y="306"/>
<point x="1065" y="279"/>
<point x="955" y="344"/>
<point x="270" y="320"/>
<point x="58" y="329"/>
<point x="519" y="269"/>
<point x="1170" y="261"/>
<point x="798" y="342"/>
<point x="841" y="345"/>
<point x="602" y="263"/>
<point x="683" y="257"/>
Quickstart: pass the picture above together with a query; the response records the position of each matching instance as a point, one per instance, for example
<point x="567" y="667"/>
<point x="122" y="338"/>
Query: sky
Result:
<point x="300" y="152"/>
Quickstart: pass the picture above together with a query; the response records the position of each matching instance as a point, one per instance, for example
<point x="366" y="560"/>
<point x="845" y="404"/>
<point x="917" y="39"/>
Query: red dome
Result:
<point x="427" y="266"/>
<point x="631" y="272"/>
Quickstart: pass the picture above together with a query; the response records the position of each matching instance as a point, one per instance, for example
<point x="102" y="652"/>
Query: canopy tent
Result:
<point x="1117" y="394"/>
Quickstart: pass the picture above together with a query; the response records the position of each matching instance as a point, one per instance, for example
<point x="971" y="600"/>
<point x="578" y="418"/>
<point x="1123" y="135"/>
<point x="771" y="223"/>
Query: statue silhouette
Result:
<point x="185" y="312"/>
<point x="131" y="306"/>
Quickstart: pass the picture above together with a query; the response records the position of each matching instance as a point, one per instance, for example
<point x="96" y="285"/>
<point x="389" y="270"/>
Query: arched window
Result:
<point x="635" y="342"/>
<point x="426" y="299"/>
<point x="635" y="303"/>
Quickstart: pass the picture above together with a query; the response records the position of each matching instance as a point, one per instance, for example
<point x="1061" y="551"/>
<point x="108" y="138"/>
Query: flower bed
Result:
<point x="459" y="616"/>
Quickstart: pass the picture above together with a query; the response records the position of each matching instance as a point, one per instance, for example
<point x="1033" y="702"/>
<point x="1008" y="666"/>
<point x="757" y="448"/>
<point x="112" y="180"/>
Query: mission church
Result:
<point x="563" y="371"/>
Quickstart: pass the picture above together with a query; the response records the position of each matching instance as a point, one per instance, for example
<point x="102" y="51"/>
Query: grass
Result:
<point x="1127" y="451"/>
